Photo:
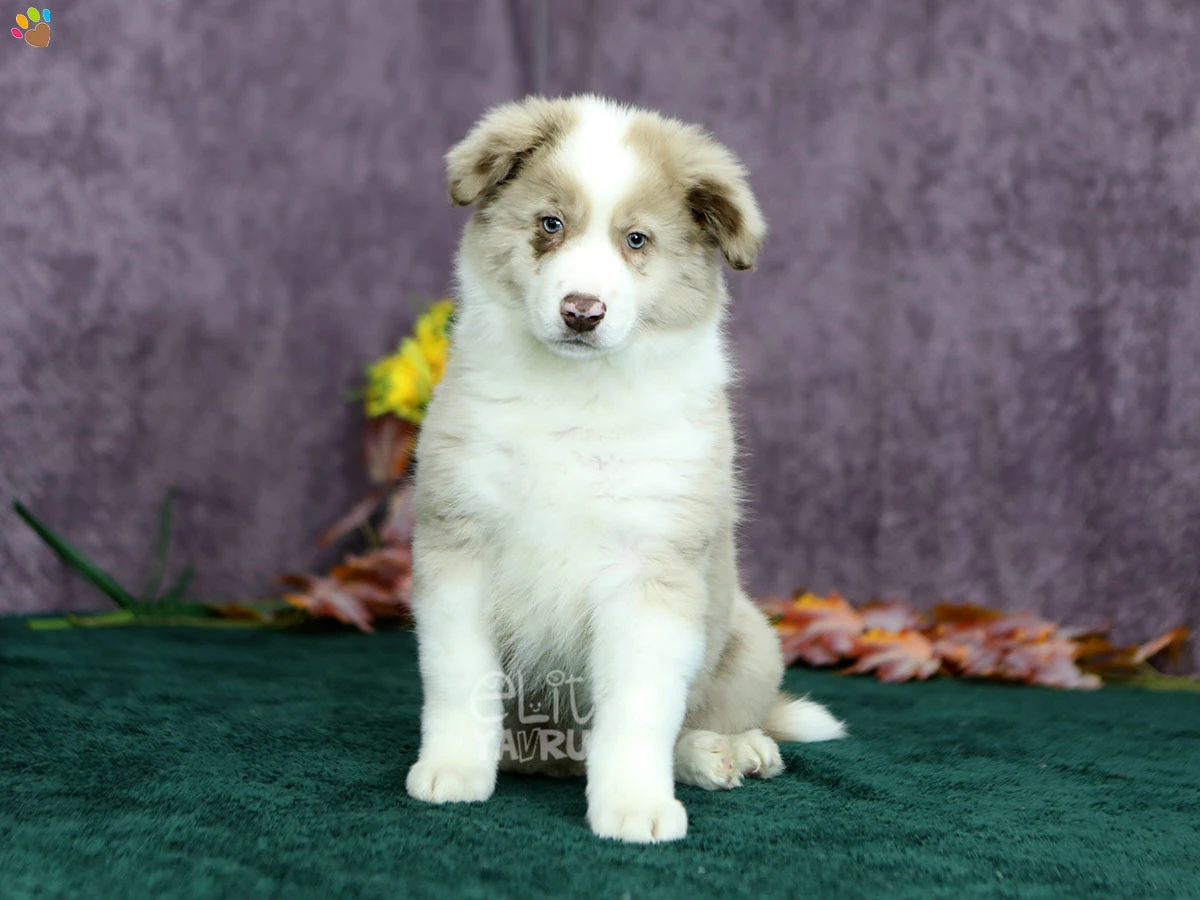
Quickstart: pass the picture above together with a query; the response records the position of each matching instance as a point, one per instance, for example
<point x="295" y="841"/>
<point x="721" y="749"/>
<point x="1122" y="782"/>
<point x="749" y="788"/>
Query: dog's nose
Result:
<point x="582" y="312"/>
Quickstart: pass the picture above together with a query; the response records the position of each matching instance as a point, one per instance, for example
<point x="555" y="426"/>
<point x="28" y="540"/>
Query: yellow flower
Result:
<point x="438" y="316"/>
<point x="435" y="346"/>
<point x="401" y="384"/>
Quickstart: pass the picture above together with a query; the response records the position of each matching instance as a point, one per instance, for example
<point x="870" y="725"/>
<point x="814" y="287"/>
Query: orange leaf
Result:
<point x="355" y="517"/>
<point x="895" y="656"/>
<point x="963" y="612"/>
<point x="401" y="517"/>
<point x="819" y="630"/>
<point x="388" y="445"/>
<point x="1024" y="627"/>
<point x="1170" y="642"/>
<point x="967" y="650"/>
<point x="239" y="611"/>
<point x="328" y="599"/>
<point x="1050" y="663"/>
<point x="890" y="615"/>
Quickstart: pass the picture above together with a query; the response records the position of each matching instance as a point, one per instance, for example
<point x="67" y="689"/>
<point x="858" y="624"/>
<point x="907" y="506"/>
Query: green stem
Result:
<point x="77" y="560"/>
<point x="119" y="617"/>
<point x="110" y="620"/>
<point x="1150" y="678"/>
<point x="372" y="535"/>
<point x="154" y="581"/>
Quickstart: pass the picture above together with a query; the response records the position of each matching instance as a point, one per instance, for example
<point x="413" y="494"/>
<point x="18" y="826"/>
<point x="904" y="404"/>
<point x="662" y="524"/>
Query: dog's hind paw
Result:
<point x="707" y="760"/>
<point x="757" y="755"/>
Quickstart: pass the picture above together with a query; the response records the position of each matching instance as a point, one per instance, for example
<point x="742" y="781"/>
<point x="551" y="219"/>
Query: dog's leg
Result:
<point x="646" y="650"/>
<point x="743" y="685"/>
<point x="460" y="672"/>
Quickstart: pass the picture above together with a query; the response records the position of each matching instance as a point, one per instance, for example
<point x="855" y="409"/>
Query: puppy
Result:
<point x="576" y="492"/>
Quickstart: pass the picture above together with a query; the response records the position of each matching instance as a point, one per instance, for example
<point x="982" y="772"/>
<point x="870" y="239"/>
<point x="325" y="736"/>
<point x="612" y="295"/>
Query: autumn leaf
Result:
<point x="896" y="642"/>
<point x="329" y="597"/>
<point x="401" y="517"/>
<point x="262" y="613"/>
<point x="965" y="648"/>
<point x="1023" y="627"/>
<point x="1048" y="662"/>
<point x="963" y="612"/>
<point x="388" y="445"/>
<point x="895" y="655"/>
<point x="819" y="630"/>
<point x="1169" y="643"/>
<point x="1097" y="655"/>
<point x="890" y="615"/>
<point x="360" y="590"/>
<point x="355" y="517"/>
<point x="387" y="562"/>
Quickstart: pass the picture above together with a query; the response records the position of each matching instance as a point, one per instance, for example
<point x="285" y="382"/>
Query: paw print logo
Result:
<point x="36" y="27"/>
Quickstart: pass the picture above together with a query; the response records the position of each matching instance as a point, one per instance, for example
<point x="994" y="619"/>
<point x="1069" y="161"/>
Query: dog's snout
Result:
<point x="582" y="312"/>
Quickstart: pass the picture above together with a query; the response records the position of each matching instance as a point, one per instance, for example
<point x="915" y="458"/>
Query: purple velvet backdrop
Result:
<point x="971" y="352"/>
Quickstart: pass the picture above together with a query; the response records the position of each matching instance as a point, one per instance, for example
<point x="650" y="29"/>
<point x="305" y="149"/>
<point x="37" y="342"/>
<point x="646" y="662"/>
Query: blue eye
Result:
<point x="552" y="225"/>
<point x="636" y="240"/>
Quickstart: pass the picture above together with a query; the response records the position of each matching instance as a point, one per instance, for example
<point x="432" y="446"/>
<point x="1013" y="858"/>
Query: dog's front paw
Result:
<point x="451" y="782"/>
<point x="638" y="820"/>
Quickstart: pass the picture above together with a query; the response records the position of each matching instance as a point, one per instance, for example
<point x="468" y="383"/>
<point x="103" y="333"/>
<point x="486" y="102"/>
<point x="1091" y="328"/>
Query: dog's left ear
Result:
<point x="493" y="149"/>
<point x="722" y="203"/>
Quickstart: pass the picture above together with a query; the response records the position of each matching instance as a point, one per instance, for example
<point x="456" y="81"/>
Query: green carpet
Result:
<point x="173" y="763"/>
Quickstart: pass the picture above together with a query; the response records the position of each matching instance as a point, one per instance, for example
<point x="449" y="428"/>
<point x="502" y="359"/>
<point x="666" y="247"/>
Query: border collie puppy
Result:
<point x="575" y="592"/>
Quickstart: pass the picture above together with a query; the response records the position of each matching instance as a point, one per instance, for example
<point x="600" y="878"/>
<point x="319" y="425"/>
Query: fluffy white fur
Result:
<point x="576" y="494"/>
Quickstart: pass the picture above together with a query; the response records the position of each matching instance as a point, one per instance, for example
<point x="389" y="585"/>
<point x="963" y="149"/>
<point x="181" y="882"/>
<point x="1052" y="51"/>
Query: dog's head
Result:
<point x="597" y="223"/>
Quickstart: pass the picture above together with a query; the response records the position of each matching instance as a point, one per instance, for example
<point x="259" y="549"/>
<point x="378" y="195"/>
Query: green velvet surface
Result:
<point x="173" y="763"/>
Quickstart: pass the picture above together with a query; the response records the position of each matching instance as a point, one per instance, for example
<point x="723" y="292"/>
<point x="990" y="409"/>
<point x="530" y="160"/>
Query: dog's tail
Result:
<point x="800" y="719"/>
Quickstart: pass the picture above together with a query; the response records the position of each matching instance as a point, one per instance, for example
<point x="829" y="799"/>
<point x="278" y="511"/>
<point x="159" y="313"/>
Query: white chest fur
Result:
<point x="572" y="500"/>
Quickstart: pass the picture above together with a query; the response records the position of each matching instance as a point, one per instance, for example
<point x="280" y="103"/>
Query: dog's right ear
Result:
<point x="494" y="148"/>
